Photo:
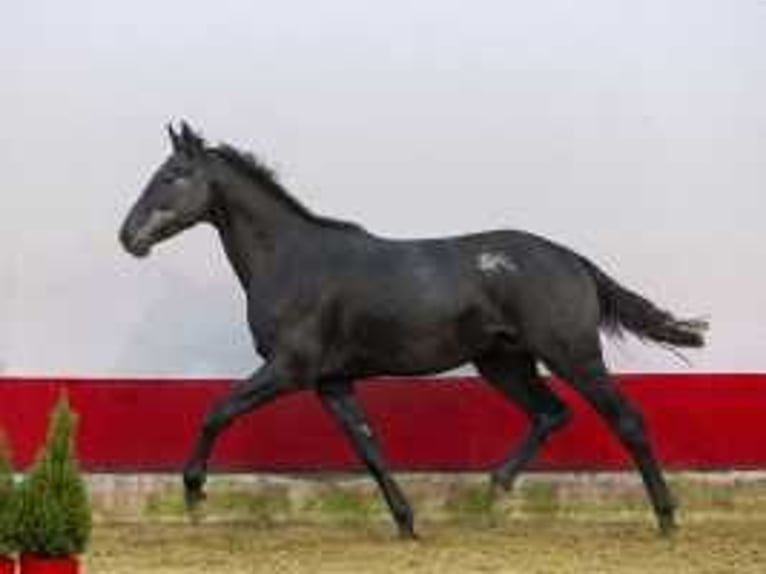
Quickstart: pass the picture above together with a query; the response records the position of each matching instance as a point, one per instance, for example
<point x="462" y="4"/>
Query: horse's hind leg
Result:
<point x="515" y="375"/>
<point x="339" y="400"/>
<point x="586" y="372"/>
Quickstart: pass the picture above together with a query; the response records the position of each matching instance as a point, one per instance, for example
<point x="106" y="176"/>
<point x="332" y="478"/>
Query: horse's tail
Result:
<point x="622" y="309"/>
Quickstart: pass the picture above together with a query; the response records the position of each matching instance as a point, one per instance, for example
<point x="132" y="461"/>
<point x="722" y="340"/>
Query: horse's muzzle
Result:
<point x="137" y="239"/>
<point x="137" y="249"/>
<point x="134" y="241"/>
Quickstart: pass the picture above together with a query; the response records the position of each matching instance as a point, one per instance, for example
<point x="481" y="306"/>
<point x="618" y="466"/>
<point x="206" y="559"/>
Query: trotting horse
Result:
<point x="329" y="303"/>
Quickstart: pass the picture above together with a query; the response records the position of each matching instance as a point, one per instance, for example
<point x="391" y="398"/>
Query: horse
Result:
<point x="330" y="304"/>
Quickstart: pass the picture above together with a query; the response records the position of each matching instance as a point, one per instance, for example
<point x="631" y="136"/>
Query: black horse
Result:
<point x="329" y="303"/>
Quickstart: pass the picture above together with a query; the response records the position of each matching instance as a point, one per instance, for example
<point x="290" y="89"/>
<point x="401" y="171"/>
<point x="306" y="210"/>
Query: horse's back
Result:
<point x="509" y="268"/>
<point x="522" y="277"/>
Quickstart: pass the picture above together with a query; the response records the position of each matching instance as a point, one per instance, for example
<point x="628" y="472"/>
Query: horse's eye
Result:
<point x="175" y="179"/>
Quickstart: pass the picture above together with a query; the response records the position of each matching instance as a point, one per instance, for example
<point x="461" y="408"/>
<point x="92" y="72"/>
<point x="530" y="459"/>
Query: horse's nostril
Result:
<point x="124" y="239"/>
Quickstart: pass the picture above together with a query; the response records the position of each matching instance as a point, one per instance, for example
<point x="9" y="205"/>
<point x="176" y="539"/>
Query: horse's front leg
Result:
<point x="339" y="400"/>
<point x="262" y="387"/>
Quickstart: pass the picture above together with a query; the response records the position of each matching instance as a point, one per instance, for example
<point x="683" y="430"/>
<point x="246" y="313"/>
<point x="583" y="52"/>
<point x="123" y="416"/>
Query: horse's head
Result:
<point x="178" y="195"/>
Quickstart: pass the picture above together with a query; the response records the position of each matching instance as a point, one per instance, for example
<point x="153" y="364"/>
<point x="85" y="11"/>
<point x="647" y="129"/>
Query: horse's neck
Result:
<point x="253" y="228"/>
<point x="233" y="238"/>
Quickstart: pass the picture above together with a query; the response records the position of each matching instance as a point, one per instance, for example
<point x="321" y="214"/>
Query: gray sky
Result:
<point x="634" y="132"/>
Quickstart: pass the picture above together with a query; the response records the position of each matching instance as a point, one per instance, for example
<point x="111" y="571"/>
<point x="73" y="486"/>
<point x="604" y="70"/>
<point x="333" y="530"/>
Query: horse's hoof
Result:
<point x="498" y="481"/>
<point x="407" y="533"/>
<point x="668" y="525"/>
<point x="193" y="499"/>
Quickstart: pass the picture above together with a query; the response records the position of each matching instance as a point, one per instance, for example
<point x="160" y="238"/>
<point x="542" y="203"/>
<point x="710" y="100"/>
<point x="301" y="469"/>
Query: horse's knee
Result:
<point x="214" y="422"/>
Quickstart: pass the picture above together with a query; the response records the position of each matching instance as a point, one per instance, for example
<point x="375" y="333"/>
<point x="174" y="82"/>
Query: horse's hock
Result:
<point x="345" y="499"/>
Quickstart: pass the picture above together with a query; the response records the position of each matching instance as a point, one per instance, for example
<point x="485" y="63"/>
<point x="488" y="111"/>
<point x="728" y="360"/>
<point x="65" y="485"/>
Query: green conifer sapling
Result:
<point x="54" y="510"/>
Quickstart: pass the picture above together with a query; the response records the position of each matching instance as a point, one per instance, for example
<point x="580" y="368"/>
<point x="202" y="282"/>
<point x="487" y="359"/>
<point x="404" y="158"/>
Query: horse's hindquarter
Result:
<point x="538" y="284"/>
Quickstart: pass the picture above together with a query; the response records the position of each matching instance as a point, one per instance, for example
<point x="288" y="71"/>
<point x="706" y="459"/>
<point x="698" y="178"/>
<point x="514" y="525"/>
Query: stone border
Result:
<point x="270" y="499"/>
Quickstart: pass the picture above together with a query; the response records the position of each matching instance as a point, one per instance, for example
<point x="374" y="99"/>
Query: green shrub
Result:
<point x="54" y="510"/>
<point x="8" y="501"/>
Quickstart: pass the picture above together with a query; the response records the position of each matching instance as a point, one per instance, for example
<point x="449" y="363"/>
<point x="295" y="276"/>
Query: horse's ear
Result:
<point x="175" y="139"/>
<point x="191" y="143"/>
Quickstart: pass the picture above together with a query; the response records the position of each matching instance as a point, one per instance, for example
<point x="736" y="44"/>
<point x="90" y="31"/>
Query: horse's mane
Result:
<point x="249" y="165"/>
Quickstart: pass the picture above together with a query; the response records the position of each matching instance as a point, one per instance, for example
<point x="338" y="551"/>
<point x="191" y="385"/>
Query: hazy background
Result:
<point x="634" y="132"/>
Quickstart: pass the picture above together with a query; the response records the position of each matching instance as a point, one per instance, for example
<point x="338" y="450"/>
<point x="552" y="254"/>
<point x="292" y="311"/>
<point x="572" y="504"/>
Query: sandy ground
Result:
<point x="560" y="546"/>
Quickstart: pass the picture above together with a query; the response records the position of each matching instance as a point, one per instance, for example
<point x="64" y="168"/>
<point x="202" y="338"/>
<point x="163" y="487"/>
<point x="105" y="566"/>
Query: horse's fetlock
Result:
<point x="194" y="478"/>
<point x="404" y="516"/>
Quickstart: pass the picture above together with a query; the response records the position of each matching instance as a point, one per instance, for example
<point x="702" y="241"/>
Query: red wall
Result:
<point x="695" y="421"/>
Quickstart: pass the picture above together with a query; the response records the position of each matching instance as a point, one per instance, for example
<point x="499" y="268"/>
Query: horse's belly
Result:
<point x="404" y="347"/>
<point x="421" y="356"/>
